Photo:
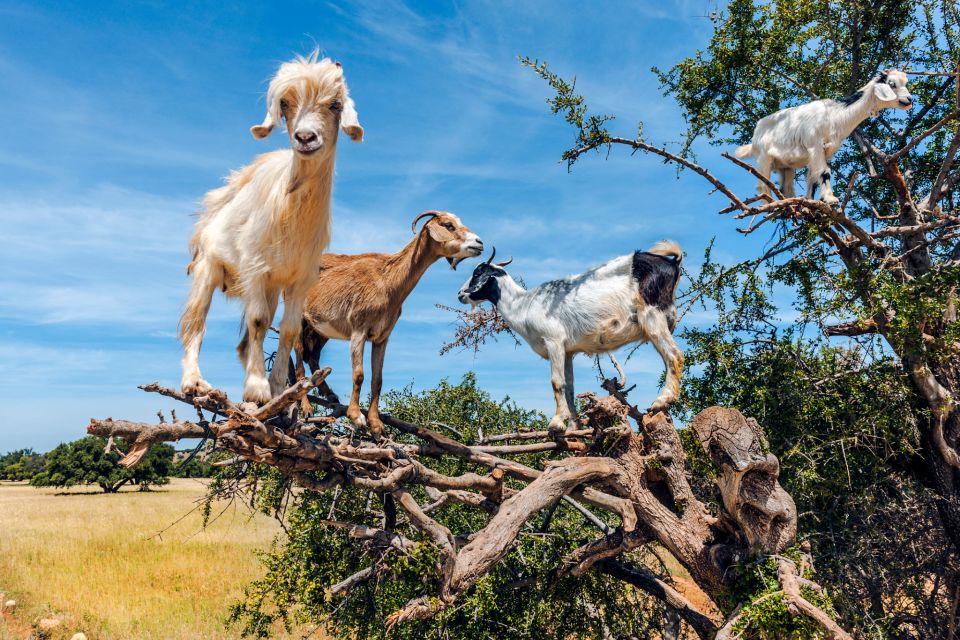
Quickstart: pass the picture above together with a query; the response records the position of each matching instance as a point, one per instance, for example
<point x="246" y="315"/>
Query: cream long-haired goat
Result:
<point x="262" y="234"/>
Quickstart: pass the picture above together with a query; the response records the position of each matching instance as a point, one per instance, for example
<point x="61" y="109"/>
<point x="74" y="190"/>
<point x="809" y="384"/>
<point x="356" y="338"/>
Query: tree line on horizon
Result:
<point x="88" y="461"/>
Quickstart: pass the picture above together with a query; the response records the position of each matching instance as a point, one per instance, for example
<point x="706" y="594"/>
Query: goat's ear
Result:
<point x="883" y="92"/>
<point x="262" y="130"/>
<point x="349" y="122"/>
<point x="438" y="233"/>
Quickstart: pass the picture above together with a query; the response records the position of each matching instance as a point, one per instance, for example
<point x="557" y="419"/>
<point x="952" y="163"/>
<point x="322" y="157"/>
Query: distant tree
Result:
<point x="21" y="464"/>
<point x="85" y="461"/>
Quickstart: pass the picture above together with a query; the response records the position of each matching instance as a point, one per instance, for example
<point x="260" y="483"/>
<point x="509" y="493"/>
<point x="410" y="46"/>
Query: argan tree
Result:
<point x="469" y="520"/>
<point x="860" y="391"/>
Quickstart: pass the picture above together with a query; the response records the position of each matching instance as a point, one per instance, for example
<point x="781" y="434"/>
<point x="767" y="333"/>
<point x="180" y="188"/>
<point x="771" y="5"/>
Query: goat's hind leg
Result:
<point x="765" y="168"/>
<point x="311" y="344"/>
<point x="787" y="179"/>
<point x="357" y="341"/>
<point x="662" y="340"/>
<point x="573" y="421"/>
<point x="193" y="325"/>
<point x="818" y="175"/>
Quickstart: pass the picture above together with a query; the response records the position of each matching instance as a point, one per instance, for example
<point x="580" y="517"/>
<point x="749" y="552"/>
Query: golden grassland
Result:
<point x="95" y="561"/>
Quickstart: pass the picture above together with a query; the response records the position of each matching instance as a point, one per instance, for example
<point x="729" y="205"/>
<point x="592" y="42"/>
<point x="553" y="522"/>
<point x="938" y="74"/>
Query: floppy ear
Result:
<point x="262" y="130"/>
<point x="883" y="92"/>
<point x="437" y="232"/>
<point x="349" y="122"/>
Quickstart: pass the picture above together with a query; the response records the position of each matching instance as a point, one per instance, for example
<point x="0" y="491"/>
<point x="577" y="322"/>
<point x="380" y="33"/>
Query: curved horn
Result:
<point x="503" y="264"/>
<point x="492" y="256"/>
<point x="425" y="214"/>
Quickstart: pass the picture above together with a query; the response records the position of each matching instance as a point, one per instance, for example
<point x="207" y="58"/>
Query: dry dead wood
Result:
<point x="641" y="478"/>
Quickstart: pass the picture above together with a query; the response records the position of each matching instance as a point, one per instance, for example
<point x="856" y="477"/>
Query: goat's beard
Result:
<point x="455" y="261"/>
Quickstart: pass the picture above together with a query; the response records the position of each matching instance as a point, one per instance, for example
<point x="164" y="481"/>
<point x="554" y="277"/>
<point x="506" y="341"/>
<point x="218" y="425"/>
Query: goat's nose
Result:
<point x="304" y="137"/>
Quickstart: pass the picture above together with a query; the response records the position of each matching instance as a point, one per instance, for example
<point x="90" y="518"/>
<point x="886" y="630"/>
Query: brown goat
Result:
<point x="359" y="297"/>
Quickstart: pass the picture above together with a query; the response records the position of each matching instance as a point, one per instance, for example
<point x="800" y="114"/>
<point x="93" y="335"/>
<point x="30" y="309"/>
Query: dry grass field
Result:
<point x="94" y="561"/>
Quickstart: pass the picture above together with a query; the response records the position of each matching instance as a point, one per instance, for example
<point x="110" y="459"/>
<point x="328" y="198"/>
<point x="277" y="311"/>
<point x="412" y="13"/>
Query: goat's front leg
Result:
<point x="659" y="334"/>
<point x="377" y="353"/>
<point x="193" y="325"/>
<point x="357" y="340"/>
<point x="557" y="356"/>
<point x="818" y="175"/>
<point x="257" y="314"/>
<point x="290" y="325"/>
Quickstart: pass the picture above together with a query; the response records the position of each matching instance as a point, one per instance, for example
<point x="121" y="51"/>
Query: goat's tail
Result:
<point x="668" y="249"/>
<point x="744" y="151"/>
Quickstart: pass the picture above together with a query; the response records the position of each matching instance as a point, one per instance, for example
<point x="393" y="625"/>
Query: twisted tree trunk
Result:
<point x="641" y="478"/>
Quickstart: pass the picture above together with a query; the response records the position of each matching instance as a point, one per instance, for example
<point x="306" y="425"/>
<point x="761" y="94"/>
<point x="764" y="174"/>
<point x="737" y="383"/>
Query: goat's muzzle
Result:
<point x="470" y="249"/>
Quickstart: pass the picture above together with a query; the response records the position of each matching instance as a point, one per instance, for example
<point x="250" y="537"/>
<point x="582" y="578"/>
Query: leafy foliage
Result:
<point x="84" y="461"/>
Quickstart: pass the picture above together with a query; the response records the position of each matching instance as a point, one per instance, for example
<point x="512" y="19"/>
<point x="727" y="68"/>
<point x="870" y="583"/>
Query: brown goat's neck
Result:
<point x="406" y="267"/>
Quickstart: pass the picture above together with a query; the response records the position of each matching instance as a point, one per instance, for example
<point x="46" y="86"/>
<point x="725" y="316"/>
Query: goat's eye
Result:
<point x="448" y="226"/>
<point x="892" y="84"/>
<point x="284" y="105"/>
<point x="336" y="105"/>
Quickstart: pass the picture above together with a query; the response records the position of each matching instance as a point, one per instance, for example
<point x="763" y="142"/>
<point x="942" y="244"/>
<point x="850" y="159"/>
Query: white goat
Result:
<point x="628" y="299"/>
<point x="810" y="134"/>
<point x="262" y="234"/>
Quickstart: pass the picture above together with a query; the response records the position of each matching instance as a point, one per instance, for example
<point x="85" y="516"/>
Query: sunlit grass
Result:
<point x="96" y="561"/>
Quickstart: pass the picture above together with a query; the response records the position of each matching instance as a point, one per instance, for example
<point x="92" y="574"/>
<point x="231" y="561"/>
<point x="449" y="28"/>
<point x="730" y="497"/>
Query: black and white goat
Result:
<point x="628" y="299"/>
<point x="810" y="134"/>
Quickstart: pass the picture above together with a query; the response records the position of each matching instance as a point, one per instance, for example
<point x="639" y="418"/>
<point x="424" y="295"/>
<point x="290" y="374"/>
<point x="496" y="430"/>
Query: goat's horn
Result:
<point x="492" y="256"/>
<point x="425" y="214"/>
<point x="503" y="264"/>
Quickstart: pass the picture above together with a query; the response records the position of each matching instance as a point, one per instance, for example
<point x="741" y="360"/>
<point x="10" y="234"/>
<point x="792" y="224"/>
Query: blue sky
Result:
<point x="118" y="117"/>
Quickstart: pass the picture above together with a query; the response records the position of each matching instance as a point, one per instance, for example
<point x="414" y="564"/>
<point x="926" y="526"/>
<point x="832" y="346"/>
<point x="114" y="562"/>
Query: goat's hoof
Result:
<point x="197" y="387"/>
<point x="659" y="405"/>
<point x="305" y="407"/>
<point x="558" y="424"/>
<point x="358" y="420"/>
<point x="831" y="200"/>
<point x="375" y="424"/>
<point x="256" y="390"/>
